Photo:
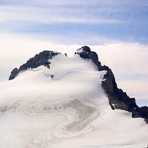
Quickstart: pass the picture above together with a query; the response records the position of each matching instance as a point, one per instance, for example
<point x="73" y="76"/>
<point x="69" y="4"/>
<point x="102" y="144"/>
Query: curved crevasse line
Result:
<point x="78" y="118"/>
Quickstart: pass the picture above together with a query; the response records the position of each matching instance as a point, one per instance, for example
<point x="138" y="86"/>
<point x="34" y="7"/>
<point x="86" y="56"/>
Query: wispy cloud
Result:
<point x="114" y="19"/>
<point x="76" y="2"/>
<point x="52" y="15"/>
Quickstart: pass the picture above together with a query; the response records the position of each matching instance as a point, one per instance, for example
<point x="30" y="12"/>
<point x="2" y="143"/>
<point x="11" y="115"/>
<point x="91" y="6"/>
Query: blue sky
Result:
<point x="117" y="30"/>
<point x="110" y="20"/>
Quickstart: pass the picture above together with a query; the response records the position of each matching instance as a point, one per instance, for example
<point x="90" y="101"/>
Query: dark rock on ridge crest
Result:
<point x="118" y="99"/>
<point x="38" y="60"/>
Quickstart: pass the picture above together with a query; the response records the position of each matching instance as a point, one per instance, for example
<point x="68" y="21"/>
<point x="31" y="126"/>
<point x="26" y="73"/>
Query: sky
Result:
<point x="117" y="30"/>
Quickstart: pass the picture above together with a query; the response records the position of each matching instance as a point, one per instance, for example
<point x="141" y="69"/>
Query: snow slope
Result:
<point x="64" y="107"/>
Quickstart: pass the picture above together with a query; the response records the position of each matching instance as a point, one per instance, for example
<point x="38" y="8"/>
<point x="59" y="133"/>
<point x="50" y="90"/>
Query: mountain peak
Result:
<point x="118" y="99"/>
<point x="68" y="102"/>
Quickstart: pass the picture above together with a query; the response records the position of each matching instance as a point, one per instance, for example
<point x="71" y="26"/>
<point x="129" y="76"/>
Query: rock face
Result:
<point x="14" y="73"/>
<point x="118" y="99"/>
<point x="38" y="60"/>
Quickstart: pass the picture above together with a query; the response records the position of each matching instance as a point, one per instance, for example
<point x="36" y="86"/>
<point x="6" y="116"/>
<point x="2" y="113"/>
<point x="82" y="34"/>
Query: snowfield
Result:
<point x="64" y="107"/>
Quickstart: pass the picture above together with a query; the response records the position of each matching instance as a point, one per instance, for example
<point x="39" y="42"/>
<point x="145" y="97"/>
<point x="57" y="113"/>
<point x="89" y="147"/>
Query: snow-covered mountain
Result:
<point x="55" y="101"/>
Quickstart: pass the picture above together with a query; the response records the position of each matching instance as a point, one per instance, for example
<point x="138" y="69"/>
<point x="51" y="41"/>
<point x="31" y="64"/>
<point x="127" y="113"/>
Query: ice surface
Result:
<point x="64" y="107"/>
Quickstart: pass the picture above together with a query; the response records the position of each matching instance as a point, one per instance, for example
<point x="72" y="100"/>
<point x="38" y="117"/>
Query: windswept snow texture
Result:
<point x="64" y="107"/>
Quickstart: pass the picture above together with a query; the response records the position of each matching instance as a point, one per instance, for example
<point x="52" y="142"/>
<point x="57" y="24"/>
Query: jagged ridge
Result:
<point x="38" y="60"/>
<point x="118" y="99"/>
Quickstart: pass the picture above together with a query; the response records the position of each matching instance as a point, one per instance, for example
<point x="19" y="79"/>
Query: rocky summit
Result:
<point x="117" y="98"/>
<point x="38" y="60"/>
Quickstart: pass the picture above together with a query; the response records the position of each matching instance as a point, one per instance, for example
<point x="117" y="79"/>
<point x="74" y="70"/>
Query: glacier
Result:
<point x="64" y="107"/>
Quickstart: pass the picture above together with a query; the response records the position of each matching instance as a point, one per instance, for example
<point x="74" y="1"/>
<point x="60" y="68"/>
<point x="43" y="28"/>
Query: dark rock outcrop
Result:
<point x="86" y="53"/>
<point x="38" y="60"/>
<point x="14" y="73"/>
<point x="118" y="99"/>
<point x="144" y="112"/>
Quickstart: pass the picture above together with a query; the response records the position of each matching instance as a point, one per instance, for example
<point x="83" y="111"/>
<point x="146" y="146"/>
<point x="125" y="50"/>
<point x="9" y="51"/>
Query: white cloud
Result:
<point x="124" y="58"/>
<point x="135" y="88"/>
